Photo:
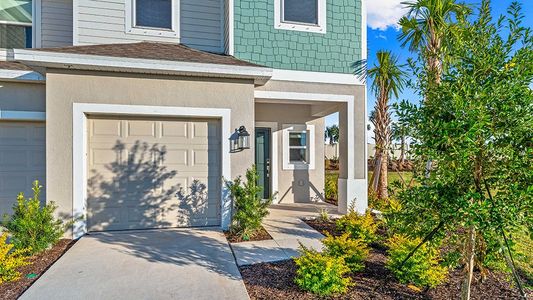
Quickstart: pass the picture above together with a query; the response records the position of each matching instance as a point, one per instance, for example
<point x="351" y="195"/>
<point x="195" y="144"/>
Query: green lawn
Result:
<point x="393" y="176"/>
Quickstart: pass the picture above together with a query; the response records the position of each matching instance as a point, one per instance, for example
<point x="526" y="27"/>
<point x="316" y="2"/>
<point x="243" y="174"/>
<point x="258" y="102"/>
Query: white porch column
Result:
<point x="352" y="182"/>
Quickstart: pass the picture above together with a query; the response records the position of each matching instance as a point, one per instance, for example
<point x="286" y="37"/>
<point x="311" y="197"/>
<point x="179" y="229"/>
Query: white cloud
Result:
<point x="382" y="14"/>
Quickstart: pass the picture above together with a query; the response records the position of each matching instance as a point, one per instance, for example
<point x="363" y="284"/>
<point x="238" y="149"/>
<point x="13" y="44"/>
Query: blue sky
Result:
<point x="382" y="33"/>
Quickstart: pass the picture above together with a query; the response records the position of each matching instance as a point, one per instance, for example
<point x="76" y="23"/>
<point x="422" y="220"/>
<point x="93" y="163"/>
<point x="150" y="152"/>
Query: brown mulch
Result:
<point x="39" y="263"/>
<point x="261" y="235"/>
<point x="276" y="280"/>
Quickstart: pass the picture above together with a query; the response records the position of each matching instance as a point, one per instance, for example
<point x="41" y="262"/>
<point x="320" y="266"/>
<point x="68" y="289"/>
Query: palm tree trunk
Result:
<point x="383" y="192"/>
<point x="402" y="150"/>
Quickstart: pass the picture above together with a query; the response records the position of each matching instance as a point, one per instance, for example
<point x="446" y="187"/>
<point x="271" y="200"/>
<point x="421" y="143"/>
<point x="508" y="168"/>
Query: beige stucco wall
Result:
<point x="298" y="186"/>
<point x="20" y="96"/>
<point x="65" y="88"/>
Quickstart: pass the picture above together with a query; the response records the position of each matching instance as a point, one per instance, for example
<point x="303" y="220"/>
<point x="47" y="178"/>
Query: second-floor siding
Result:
<point x="54" y="19"/>
<point x="105" y="22"/>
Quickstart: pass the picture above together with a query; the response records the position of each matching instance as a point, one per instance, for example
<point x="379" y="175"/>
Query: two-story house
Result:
<point x="131" y="111"/>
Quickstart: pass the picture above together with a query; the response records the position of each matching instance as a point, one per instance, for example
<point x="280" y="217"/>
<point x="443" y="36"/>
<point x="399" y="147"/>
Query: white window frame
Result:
<point x="310" y="139"/>
<point x="132" y="28"/>
<point x="279" y="23"/>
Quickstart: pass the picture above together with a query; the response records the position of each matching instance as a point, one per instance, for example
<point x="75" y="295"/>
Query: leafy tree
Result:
<point x="476" y="126"/>
<point x="332" y="133"/>
<point x="387" y="80"/>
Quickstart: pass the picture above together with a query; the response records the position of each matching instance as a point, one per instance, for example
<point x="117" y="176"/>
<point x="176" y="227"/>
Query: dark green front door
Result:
<point x="262" y="159"/>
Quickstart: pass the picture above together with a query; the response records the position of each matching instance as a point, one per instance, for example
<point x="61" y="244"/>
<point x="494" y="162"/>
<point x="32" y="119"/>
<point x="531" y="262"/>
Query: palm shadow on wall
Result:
<point x="137" y="190"/>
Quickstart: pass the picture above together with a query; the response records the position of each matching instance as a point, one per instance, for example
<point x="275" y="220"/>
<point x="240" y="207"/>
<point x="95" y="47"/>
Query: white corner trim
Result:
<point x="79" y="155"/>
<point x="319" y="77"/>
<point x="364" y="50"/>
<point x="20" y="115"/>
<point x="36" y="20"/>
<point x="279" y="23"/>
<point x="274" y="95"/>
<point x="132" y="28"/>
<point x="231" y="27"/>
<point x="274" y="136"/>
<point x="151" y="66"/>
<point x="20" y="75"/>
<point x="310" y="129"/>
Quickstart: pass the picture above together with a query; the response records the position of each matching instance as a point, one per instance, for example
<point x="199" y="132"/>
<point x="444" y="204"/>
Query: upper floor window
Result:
<point x="153" y="17"/>
<point x="15" y="24"/>
<point x="300" y="15"/>
<point x="153" y="13"/>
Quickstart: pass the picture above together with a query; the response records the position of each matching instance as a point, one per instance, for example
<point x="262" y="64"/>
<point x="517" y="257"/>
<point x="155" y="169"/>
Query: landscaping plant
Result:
<point x="358" y="226"/>
<point x="475" y="128"/>
<point x="249" y="208"/>
<point x="354" y="251"/>
<point x="33" y="226"/>
<point x="321" y="274"/>
<point x="330" y="187"/>
<point x="422" y="269"/>
<point x="11" y="260"/>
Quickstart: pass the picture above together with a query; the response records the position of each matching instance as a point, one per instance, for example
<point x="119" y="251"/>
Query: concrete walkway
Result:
<point x="287" y="229"/>
<point x="150" y="264"/>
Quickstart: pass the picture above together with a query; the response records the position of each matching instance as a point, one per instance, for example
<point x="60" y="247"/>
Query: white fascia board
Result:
<point x="135" y="65"/>
<point x="273" y="95"/>
<point x="317" y="77"/>
<point x="20" y="75"/>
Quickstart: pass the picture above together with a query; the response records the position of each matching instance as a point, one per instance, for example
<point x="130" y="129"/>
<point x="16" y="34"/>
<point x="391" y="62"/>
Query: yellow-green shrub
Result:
<point x="359" y="226"/>
<point x="321" y="274"/>
<point x="422" y="269"/>
<point x="354" y="251"/>
<point x="10" y="261"/>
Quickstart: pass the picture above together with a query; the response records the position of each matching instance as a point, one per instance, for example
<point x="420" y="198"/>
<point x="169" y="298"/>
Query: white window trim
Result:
<point x="132" y="28"/>
<point x="280" y="24"/>
<point x="80" y="141"/>
<point x="310" y="129"/>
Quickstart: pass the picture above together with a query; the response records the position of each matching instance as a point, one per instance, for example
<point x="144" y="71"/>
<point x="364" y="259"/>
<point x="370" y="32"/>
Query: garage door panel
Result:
<point x="106" y="128"/>
<point x="171" y="176"/>
<point x="22" y="160"/>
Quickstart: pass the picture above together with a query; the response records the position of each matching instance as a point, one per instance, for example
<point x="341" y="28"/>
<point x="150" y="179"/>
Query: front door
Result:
<point x="262" y="159"/>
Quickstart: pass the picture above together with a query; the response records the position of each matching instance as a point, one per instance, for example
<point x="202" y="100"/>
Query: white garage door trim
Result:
<point x="79" y="157"/>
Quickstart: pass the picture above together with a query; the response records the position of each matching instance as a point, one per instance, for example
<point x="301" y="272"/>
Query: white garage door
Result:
<point x="153" y="173"/>
<point x="22" y="160"/>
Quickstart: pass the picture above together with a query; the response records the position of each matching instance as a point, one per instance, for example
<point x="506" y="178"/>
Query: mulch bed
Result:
<point x="261" y="235"/>
<point x="276" y="280"/>
<point x="39" y="264"/>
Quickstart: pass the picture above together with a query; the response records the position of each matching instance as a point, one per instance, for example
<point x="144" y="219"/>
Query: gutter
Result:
<point x="46" y="59"/>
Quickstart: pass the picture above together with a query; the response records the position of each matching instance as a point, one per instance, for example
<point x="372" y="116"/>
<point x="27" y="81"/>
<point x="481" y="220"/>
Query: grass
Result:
<point x="392" y="176"/>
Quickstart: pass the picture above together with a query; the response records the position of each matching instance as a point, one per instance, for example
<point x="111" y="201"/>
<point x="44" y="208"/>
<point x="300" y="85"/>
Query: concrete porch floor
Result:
<point x="285" y="225"/>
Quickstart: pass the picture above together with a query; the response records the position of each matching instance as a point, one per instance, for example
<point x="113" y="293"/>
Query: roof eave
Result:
<point x="34" y="58"/>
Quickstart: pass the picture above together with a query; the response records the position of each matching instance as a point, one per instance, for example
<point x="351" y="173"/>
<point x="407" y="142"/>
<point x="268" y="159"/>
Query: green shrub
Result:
<point x="321" y="274"/>
<point x="249" y="208"/>
<point x="354" y="251"/>
<point x="330" y="187"/>
<point x="10" y="260"/>
<point x="32" y="226"/>
<point x="422" y="269"/>
<point x="359" y="226"/>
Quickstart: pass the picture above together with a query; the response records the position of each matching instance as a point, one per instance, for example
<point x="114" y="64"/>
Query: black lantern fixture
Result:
<point x="243" y="140"/>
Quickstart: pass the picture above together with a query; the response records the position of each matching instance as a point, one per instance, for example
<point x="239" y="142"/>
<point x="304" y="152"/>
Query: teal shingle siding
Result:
<point x="257" y="40"/>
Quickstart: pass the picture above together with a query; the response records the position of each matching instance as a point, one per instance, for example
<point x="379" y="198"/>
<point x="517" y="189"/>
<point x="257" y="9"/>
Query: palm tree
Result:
<point x="387" y="80"/>
<point x="332" y="133"/>
<point x="425" y="28"/>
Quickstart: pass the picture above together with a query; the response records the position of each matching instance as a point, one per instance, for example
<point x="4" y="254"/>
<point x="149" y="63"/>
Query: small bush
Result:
<point x="359" y="226"/>
<point x="249" y="208"/>
<point x="10" y="260"/>
<point x="422" y="269"/>
<point x="321" y="274"/>
<point x="32" y="226"/>
<point x="330" y="187"/>
<point x="354" y="251"/>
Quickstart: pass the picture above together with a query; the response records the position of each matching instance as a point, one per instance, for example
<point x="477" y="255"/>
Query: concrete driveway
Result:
<point x="152" y="264"/>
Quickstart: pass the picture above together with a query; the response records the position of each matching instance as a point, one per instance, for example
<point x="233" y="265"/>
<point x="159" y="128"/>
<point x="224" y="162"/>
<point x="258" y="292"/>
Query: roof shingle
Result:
<point x="152" y="50"/>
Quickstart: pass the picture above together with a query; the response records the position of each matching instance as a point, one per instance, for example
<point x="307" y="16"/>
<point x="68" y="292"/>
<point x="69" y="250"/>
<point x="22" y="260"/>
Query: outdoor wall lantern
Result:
<point x="240" y="140"/>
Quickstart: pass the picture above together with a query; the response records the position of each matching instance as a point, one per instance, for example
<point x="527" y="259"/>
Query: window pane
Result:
<point x="298" y="155"/>
<point x="154" y="13"/>
<point x="12" y="36"/>
<point x="300" y="11"/>
<point x="297" y="139"/>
